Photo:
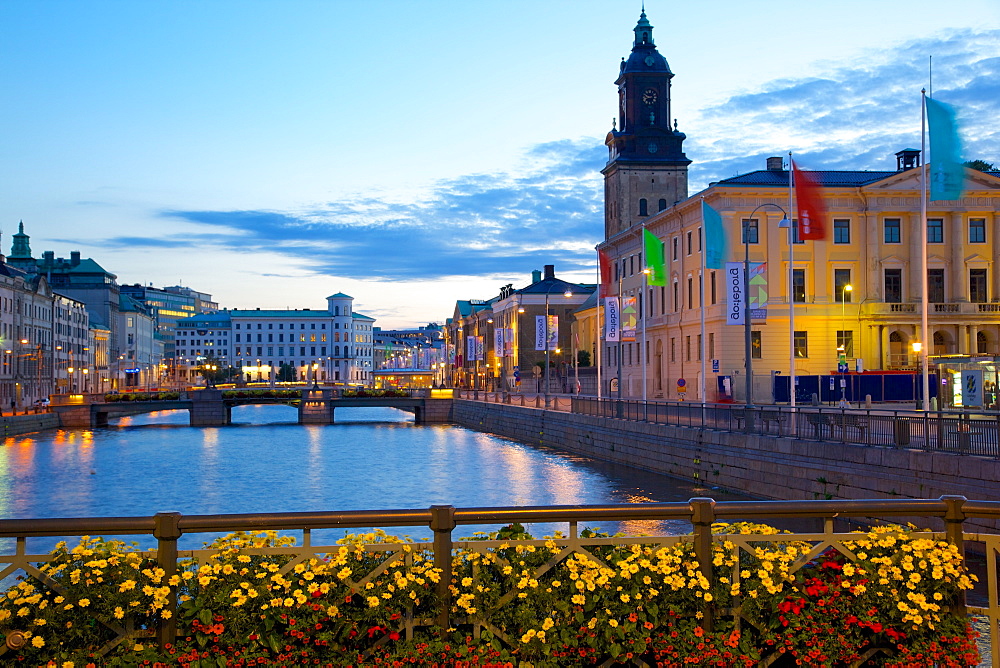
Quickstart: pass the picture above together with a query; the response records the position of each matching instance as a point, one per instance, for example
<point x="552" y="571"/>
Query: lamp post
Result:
<point x="489" y="381"/>
<point x="917" y="349"/>
<point x="86" y="378"/>
<point x="315" y="370"/>
<point x="567" y="294"/>
<point x="746" y="303"/>
<point x="842" y="348"/>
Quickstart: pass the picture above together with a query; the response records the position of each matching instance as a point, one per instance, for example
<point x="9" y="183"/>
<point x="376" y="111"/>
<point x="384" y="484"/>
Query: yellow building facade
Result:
<point x="873" y="245"/>
<point x="856" y="295"/>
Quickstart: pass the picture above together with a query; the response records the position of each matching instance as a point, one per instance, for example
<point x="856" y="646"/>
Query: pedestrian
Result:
<point x="13" y="406"/>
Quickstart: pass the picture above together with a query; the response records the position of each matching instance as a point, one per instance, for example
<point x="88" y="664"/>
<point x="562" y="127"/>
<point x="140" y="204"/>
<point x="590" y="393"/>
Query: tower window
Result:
<point x="642" y="207"/>
<point x="663" y="204"/>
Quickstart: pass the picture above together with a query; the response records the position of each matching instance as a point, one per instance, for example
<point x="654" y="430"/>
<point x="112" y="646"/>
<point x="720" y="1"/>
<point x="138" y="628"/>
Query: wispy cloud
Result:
<point x="857" y="115"/>
<point x="853" y="116"/>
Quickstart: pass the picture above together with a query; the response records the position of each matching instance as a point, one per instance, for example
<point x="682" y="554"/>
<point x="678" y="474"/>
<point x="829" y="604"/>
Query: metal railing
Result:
<point x="166" y="528"/>
<point x="956" y="432"/>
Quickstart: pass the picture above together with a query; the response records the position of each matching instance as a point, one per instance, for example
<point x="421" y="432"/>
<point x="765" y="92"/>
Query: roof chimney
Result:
<point x="906" y="159"/>
<point x="74" y="258"/>
<point x="776" y="164"/>
<point x="550" y="271"/>
<point x="535" y="276"/>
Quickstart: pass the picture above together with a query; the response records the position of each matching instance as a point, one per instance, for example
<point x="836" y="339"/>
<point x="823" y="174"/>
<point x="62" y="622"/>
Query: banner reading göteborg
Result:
<point x="498" y="348"/>
<point x="553" y="332"/>
<point x="612" y="319"/>
<point x="735" y="288"/>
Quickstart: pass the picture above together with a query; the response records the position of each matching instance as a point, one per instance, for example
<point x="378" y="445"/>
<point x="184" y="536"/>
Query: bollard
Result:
<point x="442" y="524"/>
<point x="702" y="517"/>
<point x="166" y="530"/>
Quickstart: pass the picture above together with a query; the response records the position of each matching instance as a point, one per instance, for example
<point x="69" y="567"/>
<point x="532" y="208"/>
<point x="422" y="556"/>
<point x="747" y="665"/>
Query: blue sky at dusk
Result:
<point x="415" y="153"/>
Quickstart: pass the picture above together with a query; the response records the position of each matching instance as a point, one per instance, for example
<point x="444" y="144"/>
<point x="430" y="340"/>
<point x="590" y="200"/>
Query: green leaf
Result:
<point x="616" y="649"/>
<point x="272" y="642"/>
<point x="205" y="616"/>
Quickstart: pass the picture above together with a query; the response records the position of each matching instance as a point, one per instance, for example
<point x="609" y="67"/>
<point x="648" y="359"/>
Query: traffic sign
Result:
<point x="715" y="366"/>
<point x="842" y="367"/>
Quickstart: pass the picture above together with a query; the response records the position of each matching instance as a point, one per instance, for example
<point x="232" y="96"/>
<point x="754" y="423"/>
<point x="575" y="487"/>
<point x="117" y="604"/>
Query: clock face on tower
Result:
<point x="649" y="96"/>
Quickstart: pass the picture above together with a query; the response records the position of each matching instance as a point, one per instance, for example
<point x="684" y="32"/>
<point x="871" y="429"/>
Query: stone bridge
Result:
<point x="212" y="408"/>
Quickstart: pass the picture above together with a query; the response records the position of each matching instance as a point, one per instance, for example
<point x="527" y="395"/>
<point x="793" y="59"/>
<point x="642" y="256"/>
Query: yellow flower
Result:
<point x="38" y="641"/>
<point x="84" y="602"/>
<point x="119" y="613"/>
<point x="613" y="623"/>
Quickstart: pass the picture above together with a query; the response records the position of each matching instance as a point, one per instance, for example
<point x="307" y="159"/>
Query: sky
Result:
<point x="413" y="153"/>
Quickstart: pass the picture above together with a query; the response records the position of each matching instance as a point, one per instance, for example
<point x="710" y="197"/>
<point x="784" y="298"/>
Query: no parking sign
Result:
<point x="681" y="387"/>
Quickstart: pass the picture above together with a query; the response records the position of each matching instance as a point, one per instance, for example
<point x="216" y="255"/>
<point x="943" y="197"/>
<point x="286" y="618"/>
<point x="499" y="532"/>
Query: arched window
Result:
<point x="336" y="351"/>
<point x="663" y="204"/>
<point x="982" y="343"/>
<point x="642" y="207"/>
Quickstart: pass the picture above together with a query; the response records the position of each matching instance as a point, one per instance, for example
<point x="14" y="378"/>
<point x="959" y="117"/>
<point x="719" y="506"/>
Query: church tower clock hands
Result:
<point x="647" y="168"/>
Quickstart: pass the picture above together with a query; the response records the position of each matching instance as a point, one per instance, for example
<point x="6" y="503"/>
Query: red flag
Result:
<point x="605" y="263"/>
<point x="812" y="214"/>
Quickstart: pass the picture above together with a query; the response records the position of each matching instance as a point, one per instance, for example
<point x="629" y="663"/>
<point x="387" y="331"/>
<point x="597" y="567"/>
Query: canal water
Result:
<point x="372" y="459"/>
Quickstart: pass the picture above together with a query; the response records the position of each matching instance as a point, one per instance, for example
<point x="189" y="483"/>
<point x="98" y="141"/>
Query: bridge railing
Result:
<point x="947" y="513"/>
<point x="957" y="432"/>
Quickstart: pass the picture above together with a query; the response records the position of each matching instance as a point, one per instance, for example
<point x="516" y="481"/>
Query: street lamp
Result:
<point x="315" y="368"/>
<point x="842" y="348"/>
<point x="746" y="303"/>
<point x="567" y="294"/>
<point x="917" y="349"/>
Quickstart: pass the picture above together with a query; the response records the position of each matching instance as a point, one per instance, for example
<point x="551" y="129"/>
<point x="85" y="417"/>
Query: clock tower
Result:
<point x="647" y="168"/>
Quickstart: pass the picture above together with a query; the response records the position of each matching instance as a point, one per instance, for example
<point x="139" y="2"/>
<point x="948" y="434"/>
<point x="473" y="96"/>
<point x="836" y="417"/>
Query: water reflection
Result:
<point x="372" y="459"/>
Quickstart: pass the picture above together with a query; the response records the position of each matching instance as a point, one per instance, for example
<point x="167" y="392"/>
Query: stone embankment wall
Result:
<point x="26" y="424"/>
<point x="763" y="466"/>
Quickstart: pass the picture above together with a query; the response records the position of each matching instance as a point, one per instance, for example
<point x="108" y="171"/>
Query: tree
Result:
<point x="286" y="373"/>
<point x="583" y="357"/>
<point x="213" y="371"/>
<point x="981" y="165"/>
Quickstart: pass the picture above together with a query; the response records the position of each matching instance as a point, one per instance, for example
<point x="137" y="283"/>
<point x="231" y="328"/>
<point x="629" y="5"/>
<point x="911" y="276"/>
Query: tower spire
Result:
<point x="21" y="248"/>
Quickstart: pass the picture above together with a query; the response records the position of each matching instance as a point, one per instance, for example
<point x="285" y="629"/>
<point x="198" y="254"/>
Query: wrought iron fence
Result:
<point x="957" y="432"/>
<point x="166" y="528"/>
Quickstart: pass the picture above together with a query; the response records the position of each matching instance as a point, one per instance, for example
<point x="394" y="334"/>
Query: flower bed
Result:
<point x="514" y="600"/>
<point x="141" y="396"/>
<point x="375" y="393"/>
<point x="261" y="394"/>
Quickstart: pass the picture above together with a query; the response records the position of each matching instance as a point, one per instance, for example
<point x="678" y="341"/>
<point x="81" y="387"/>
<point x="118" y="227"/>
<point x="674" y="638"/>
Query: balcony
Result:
<point x="887" y="309"/>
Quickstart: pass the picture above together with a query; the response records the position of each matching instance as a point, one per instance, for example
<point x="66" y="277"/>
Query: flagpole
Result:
<point x="600" y="331"/>
<point x="924" y="302"/>
<point x="645" y="312"/>
<point x="620" y="327"/>
<point x="791" y="287"/>
<point x="704" y="271"/>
